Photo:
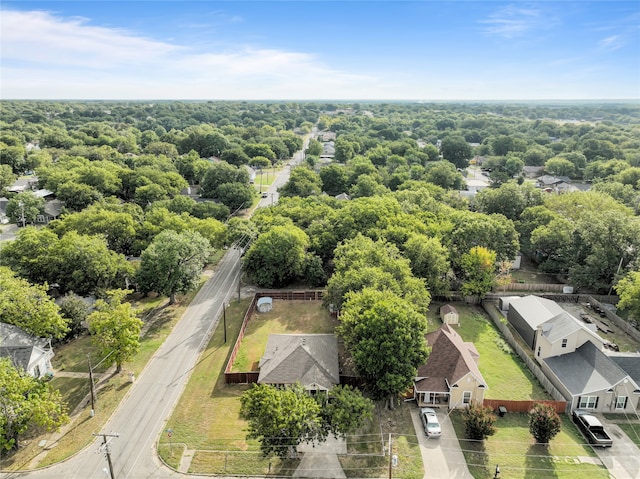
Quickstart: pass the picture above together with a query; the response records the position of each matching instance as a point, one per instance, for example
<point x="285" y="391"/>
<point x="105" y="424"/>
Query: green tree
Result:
<point x="302" y="182"/>
<point x="172" y="263"/>
<point x="479" y="268"/>
<point x="429" y="260"/>
<point x="344" y="410"/>
<point x="628" y="288"/>
<point x="334" y="179"/>
<point x="314" y="148"/>
<point x="456" y="150"/>
<point x="560" y="167"/>
<point x="277" y="257"/>
<point x="259" y="149"/>
<point x="7" y="177"/>
<point x="29" y="307"/>
<point x="281" y="419"/>
<point x="75" y="311"/>
<point x="235" y="195"/>
<point x="77" y="196"/>
<point x="385" y="335"/>
<point x="24" y="207"/>
<point x="478" y="422"/>
<point x="26" y="403"/>
<point x="444" y="174"/>
<point x="115" y="328"/>
<point x="544" y="423"/>
<point x="510" y="199"/>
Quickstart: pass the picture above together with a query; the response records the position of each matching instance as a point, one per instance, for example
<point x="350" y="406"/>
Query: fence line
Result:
<point x="532" y="287"/>
<point x="243" y="328"/>
<point x="523" y="406"/>
<point x="621" y="323"/>
<point x="497" y="317"/>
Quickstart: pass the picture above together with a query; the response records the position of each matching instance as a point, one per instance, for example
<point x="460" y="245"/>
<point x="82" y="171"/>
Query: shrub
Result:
<point x="544" y="423"/>
<point x="478" y="422"/>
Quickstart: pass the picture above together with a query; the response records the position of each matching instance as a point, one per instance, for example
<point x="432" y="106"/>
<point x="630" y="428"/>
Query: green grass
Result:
<point x="515" y="451"/>
<point x="73" y="390"/>
<point x="630" y="426"/>
<point x="288" y="317"/>
<point x="73" y="356"/>
<point x="506" y="375"/>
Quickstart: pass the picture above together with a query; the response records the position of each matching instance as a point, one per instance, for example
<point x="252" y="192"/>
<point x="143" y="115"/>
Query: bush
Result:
<point x="544" y="423"/>
<point x="478" y="422"/>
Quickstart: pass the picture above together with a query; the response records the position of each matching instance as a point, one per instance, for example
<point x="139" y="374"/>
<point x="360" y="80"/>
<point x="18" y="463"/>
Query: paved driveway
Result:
<point x="442" y="458"/>
<point x="321" y="461"/>
<point x="623" y="458"/>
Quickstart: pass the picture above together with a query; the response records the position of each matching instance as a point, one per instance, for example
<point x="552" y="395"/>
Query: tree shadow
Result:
<point x="539" y="463"/>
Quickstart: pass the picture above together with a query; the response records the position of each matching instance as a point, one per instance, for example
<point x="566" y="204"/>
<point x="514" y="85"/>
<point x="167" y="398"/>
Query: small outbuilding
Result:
<point x="449" y="314"/>
<point x="265" y="304"/>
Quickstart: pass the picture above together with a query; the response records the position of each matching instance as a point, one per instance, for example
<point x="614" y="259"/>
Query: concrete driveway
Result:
<point x="322" y="461"/>
<point x="623" y="458"/>
<point x="442" y="458"/>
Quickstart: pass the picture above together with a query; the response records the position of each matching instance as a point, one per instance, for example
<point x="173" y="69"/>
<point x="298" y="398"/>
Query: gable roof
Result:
<point x="21" y="347"/>
<point x="308" y="359"/>
<point x="535" y="310"/>
<point x="450" y="360"/>
<point x="447" y="308"/>
<point x="629" y="363"/>
<point x="563" y="325"/>
<point x="586" y="370"/>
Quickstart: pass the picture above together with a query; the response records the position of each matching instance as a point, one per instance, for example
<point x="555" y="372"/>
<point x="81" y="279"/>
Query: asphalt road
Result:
<point x="142" y="414"/>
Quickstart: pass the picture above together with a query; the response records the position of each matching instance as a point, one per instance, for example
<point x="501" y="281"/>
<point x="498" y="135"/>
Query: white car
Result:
<point x="430" y="422"/>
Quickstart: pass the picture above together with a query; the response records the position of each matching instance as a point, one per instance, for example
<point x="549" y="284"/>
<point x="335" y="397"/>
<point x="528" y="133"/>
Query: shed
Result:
<point x="265" y="304"/>
<point x="449" y="314"/>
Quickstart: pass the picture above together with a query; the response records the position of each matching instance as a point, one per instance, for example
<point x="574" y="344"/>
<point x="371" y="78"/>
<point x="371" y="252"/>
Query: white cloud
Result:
<point x="611" y="43"/>
<point x="512" y="21"/>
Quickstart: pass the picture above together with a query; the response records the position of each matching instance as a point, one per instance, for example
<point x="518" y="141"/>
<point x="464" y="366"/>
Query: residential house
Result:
<point x="532" y="171"/>
<point x="308" y="359"/>
<point x="24" y="184"/>
<point x="27" y="352"/>
<point x="51" y="211"/>
<point x="451" y="377"/>
<point x="527" y="313"/>
<point x="342" y="197"/>
<point x="589" y="379"/>
<point x="449" y="314"/>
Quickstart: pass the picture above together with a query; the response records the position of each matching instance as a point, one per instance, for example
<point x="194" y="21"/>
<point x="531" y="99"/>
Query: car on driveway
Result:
<point x="430" y="422"/>
<point x="592" y="428"/>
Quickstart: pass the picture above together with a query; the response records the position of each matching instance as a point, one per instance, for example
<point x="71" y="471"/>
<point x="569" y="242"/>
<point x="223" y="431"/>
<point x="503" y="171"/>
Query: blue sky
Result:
<point x="455" y="50"/>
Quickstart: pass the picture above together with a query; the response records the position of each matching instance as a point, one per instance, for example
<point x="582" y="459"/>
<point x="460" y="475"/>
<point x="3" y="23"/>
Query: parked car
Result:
<point x="592" y="428"/>
<point x="264" y="194"/>
<point x="430" y="422"/>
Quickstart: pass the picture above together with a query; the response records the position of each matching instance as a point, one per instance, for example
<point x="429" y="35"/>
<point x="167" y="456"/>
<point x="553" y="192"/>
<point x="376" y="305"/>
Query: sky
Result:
<point x="312" y="50"/>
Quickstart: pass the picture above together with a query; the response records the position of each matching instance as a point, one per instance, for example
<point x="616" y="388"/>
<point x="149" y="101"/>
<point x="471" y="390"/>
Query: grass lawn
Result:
<point x="506" y="375"/>
<point x="630" y="426"/>
<point x="207" y="417"/>
<point x="72" y="357"/>
<point x="515" y="451"/>
<point x="287" y="317"/>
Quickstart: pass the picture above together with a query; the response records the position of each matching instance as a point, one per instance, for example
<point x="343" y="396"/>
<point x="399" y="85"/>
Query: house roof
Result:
<point x="53" y="208"/>
<point x="447" y="308"/>
<point x="562" y="325"/>
<point x="308" y="359"/>
<point x="629" y="363"/>
<point x="535" y="310"/>
<point x="586" y="370"/>
<point x="20" y="346"/>
<point x="450" y="360"/>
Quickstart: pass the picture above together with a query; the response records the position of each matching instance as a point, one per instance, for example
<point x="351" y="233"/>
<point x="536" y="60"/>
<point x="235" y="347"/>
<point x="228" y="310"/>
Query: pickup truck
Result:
<point x="592" y="428"/>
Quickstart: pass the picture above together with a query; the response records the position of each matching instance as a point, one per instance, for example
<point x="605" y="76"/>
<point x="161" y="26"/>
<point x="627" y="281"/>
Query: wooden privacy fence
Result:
<point x="523" y="406"/>
<point x="252" y="376"/>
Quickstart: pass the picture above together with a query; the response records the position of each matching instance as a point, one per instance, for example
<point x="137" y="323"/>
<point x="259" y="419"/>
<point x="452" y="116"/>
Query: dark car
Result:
<point x="592" y="428"/>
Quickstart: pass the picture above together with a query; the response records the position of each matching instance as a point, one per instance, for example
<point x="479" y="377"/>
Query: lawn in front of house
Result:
<point x="286" y="317"/>
<point x="516" y="452"/>
<point x="630" y="425"/>
<point x="506" y="375"/>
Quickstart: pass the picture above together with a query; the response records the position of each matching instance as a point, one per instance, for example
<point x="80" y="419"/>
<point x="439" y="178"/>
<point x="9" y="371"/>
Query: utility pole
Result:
<point x="93" y="389"/>
<point x="105" y="447"/>
<point x="224" y="319"/>
<point x="390" y="454"/>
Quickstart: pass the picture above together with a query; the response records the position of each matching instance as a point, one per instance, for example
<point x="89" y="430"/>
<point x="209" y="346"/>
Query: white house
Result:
<point x="27" y="353"/>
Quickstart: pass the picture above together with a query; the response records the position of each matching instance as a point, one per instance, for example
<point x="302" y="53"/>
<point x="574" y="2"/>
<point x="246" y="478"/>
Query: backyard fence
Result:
<point x="236" y="346"/>
<point x="497" y="317"/>
<point x="621" y="323"/>
<point x="523" y="406"/>
<point x="532" y="287"/>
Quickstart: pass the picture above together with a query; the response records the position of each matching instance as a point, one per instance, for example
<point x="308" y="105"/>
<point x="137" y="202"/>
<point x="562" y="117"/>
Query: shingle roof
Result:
<point x="585" y="370"/>
<point x="447" y="308"/>
<point x="308" y="359"/>
<point x="629" y="363"/>
<point x="20" y="346"/>
<point x="563" y="325"/>
<point x="450" y="360"/>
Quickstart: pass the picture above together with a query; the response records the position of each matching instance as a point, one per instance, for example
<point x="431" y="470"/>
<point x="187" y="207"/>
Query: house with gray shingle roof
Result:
<point x="563" y="334"/>
<point x="450" y="378"/>
<point x="589" y="379"/>
<point x="308" y="359"/>
<point x="27" y="353"/>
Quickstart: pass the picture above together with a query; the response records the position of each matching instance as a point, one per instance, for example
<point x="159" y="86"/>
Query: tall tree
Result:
<point x="628" y="288"/>
<point x="456" y="150"/>
<point x="281" y="419"/>
<point x="115" y="328"/>
<point x="479" y="269"/>
<point x="385" y="335"/>
<point x="172" y="263"/>
<point x="29" y="307"/>
<point x="24" y="207"/>
<point x="26" y="403"/>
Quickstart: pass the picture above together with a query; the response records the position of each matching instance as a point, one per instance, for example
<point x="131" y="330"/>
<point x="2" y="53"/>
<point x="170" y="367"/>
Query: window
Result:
<point x="539" y="350"/>
<point x="621" y="402"/>
<point x="564" y="343"/>
<point x="466" y="397"/>
<point x="36" y="372"/>
<point x="588" y="402"/>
